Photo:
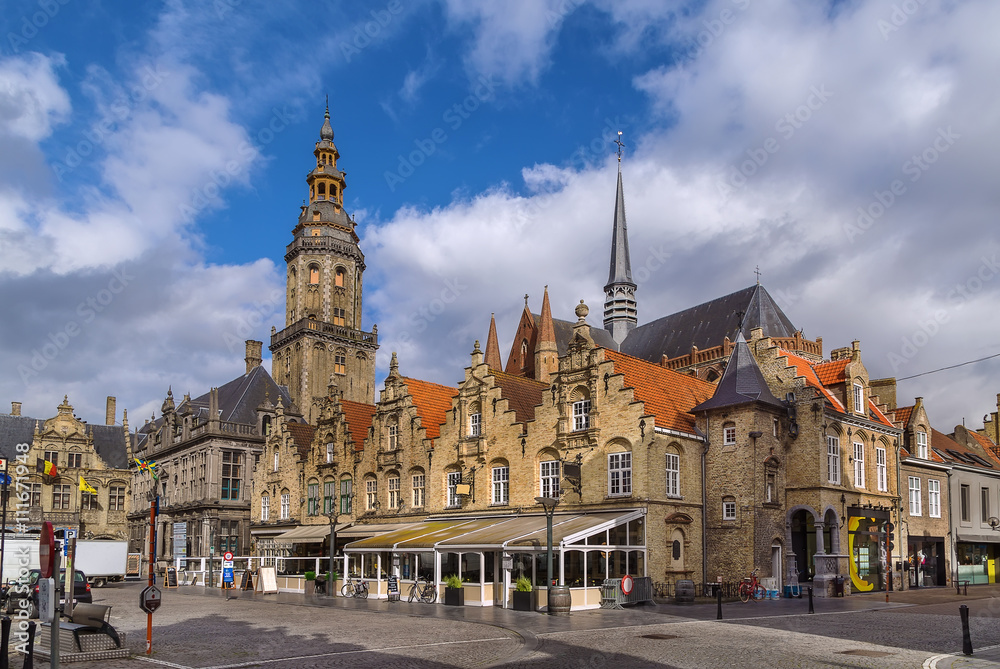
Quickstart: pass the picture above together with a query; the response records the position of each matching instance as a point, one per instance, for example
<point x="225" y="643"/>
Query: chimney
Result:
<point x="15" y="408"/>
<point x="109" y="412"/>
<point x="253" y="354"/>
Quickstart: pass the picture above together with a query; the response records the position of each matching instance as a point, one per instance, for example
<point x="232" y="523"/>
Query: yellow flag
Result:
<point x="85" y="487"/>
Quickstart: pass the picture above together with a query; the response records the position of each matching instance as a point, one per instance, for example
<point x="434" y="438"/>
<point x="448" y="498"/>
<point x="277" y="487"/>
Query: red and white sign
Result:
<point x="47" y="550"/>
<point x="627" y="584"/>
<point x="227" y="556"/>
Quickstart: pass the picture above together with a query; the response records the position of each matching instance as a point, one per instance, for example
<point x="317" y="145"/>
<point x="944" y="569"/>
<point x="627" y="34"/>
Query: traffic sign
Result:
<point x="71" y="534"/>
<point x="47" y="550"/>
<point x="150" y="599"/>
<point x="627" y="583"/>
<point x="227" y="556"/>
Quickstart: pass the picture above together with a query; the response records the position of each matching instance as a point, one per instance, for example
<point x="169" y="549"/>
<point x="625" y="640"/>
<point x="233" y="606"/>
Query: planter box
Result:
<point x="310" y="587"/>
<point x="524" y="601"/>
<point x="454" y="596"/>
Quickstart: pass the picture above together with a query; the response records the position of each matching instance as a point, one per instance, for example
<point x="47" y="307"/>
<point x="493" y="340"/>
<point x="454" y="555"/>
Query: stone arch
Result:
<point x="580" y="392"/>
<point x="800" y="537"/>
<point x="831" y="530"/>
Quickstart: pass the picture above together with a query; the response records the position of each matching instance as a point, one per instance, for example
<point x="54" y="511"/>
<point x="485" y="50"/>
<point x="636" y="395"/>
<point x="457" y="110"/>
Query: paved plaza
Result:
<point x="199" y="630"/>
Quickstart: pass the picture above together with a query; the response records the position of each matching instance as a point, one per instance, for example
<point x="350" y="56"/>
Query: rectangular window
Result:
<point x="454" y="478"/>
<point x="392" y="484"/>
<point x="74" y="460"/>
<point x="340" y="363"/>
<point x="922" y="445"/>
<point x="915" y="509"/>
<point x="60" y="496"/>
<point x="232" y="474"/>
<point x="859" y="465"/>
<point x="36" y="494"/>
<point x="116" y="498"/>
<point x="728" y="510"/>
<point x="345" y="496"/>
<point x="673" y="475"/>
<point x="265" y="507"/>
<point x="966" y="504"/>
<point x="418" y="490"/>
<point x="339" y="316"/>
<point x="619" y="474"/>
<point x="329" y="493"/>
<point x="549" y="476"/>
<point x="859" y="398"/>
<point x="329" y="452"/>
<point x="312" y="497"/>
<point x="501" y="485"/>
<point x="775" y="427"/>
<point x="729" y="435"/>
<point x="933" y="498"/>
<point x="984" y="496"/>
<point x="286" y="505"/>
<point x="275" y="461"/>
<point x="880" y="470"/>
<point x="393" y="438"/>
<point x="475" y="424"/>
<point x="833" y="460"/>
<point x="769" y="491"/>
<point x="371" y="494"/>
<point x="581" y="415"/>
<point x="88" y="501"/>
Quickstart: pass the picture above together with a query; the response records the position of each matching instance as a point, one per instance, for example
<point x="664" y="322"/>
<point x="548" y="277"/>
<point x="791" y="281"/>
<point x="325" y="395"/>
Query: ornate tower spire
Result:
<point x="492" y="357"/>
<point x="620" y="313"/>
<point x="546" y="351"/>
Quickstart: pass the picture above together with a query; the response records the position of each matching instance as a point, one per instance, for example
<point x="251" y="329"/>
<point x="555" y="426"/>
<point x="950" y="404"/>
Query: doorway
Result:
<point x="776" y="565"/>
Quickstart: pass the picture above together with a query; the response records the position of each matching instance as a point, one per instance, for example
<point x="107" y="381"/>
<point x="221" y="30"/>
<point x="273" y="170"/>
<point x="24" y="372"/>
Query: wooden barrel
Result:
<point x="684" y="591"/>
<point x="560" y="600"/>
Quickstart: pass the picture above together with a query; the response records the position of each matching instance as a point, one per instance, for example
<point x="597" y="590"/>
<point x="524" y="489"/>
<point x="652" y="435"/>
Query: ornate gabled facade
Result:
<point x="323" y="333"/>
<point x="99" y="454"/>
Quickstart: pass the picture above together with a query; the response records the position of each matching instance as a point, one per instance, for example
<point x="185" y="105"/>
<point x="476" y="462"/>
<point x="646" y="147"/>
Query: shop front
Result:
<point x="976" y="562"/>
<point x="925" y="562"/>
<point x="866" y="535"/>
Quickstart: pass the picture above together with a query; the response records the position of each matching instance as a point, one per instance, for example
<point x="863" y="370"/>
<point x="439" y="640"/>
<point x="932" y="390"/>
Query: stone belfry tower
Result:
<point x="620" y="313"/>
<point x="323" y="343"/>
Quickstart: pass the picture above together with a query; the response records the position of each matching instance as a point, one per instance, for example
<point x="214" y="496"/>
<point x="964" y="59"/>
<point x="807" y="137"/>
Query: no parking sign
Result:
<point x="227" y="568"/>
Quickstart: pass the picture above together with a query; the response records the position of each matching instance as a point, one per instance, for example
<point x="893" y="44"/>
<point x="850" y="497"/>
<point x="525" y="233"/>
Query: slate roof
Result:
<point x="564" y="335"/>
<point x="741" y="382"/>
<point x="359" y="419"/>
<point x="621" y="265"/>
<point x="667" y="395"/>
<point x="707" y="325"/>
<point x="432" y="402"/>
<point x="15" y="430"/>
<point x="522" y="394"/>
<point x="109" y="440"/>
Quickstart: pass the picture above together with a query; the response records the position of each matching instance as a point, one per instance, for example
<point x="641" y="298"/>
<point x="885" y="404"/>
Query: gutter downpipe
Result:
<point x="704" y="506"/>
<point x="953" y="550"/>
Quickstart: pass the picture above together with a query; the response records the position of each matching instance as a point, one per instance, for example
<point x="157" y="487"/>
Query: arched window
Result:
<point x="371" y="493"/>
<point x="266" y="425"/>
<point x="418" y="483"/>
<point x="265" y="507"/>
<point x="524" y="353"/>
<point x="475" y="420"/>
<point x="313" y="274"/>
<point x="392" y="485"/>
<point x="322" y="191"/>
<point x="312" y="497"/>
<point x="580" y="397"/>
<point x="712" y="376"/>
<point x="673" y="473"/>
<point x="338" y="280"/>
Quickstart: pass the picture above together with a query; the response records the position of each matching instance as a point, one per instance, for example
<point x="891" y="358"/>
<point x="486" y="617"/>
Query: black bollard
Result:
<point x="4" y="643"/>
<point x="966" y="638"/>
<point x="718" y="598"/>
<point x="29" y="655"/>
<point x="811" y="600"/>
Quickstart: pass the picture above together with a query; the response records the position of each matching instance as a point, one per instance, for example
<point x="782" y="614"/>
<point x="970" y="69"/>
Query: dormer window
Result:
<point x="922" y="445"/>
<point x="859" y="398"/>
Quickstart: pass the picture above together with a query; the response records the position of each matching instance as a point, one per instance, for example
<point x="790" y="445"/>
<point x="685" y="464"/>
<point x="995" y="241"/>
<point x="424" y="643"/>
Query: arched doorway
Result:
<point x="803" y="529"/>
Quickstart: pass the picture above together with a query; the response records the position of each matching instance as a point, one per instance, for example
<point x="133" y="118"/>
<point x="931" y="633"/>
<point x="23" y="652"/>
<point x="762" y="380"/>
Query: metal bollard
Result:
<point x="718" y="598"/>
<point x="4" y="642"/>
<point x="963" y="610"/>
<point x="811" y="600"/>
<point x="29" y="655"/>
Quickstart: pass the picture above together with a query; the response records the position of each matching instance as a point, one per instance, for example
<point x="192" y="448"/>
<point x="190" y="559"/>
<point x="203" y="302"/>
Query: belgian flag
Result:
<point x="45" y="467"/>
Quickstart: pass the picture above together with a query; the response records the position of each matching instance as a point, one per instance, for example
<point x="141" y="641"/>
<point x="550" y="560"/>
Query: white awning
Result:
<point x="372" y="529"/>
<point x="306" y="534"/>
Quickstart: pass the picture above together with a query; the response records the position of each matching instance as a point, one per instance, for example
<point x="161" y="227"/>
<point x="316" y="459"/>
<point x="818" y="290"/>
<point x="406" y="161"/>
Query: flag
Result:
<point x="86" y="487"/>
<point x="147" y="466"/>
<point x="45" y="467"/>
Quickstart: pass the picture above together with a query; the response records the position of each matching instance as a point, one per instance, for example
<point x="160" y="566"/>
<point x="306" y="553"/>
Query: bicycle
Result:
<point x="424" y="591"/>
<point x="750" y="588"/>
<point x="356" y="588"/>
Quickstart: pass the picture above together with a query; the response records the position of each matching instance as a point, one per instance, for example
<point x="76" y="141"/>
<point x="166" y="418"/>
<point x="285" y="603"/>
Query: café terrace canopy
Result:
<point x="307" y="534"/>
<point x="495" y="533"/>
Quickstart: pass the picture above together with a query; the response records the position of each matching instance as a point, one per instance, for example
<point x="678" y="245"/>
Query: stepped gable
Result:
<point x="805" y="369"/>
<point x="741" y="381"/>
<point x="359" y="419"/>
<point x="667" y="395"/>
<point x="708" y="324"/>
<point x="432" y="402"/>
<point x="522" y="394"/>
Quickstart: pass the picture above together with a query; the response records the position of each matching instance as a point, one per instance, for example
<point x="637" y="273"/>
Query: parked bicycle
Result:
<point x="424" y="591"/>
<point x="751" y="588"/>
<point x="355" y="588"/>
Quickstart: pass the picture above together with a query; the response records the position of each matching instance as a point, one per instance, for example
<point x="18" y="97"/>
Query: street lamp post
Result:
<point x="549" y="504"/>
<point x="334" y="517"/>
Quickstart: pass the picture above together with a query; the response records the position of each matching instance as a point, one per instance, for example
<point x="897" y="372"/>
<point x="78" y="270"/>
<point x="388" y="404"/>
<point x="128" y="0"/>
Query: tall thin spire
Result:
<point x="620" y="312"/>
<point x="492" y="356"/>
<point x="326" y="132"/>
<point x="546" y="349"/>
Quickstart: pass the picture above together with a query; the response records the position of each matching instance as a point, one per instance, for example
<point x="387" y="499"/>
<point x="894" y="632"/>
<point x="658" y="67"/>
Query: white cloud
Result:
<point x="31" y="99"/>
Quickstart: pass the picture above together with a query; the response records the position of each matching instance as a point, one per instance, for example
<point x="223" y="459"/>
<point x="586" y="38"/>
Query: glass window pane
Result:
<point x="541" y="567"/>
<point x="617" y="564"/>
<point x="574" y="566"/>
<point x="637" y="532"/>
<point x="470" y="568"/>
<point x="449" y="564"/>
<point x="596" y="568"/>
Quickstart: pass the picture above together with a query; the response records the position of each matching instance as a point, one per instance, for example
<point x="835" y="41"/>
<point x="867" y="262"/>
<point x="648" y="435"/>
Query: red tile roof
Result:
<point x="359" y="418"/>
<point x="879" y="416"/>
<point x="831" y="372"/>
<point x="948" y="447"/>
<point x="805" y="369"/>
<point x="302" y="435"/>
<point x="432" y="402"/>
<point x="522" y="394"/>
<point x="986" y="443"/>
<point x="903" y="415"/>
<point x="666" y="394"/>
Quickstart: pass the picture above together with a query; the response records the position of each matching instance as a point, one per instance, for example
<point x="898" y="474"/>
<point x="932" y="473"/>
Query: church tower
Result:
<point x="620" y="313"/>
<point x="323" y="343"/>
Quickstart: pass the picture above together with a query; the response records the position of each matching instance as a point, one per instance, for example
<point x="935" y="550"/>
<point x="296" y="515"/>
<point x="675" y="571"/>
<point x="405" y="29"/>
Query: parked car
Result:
<point x="81" y="589"/>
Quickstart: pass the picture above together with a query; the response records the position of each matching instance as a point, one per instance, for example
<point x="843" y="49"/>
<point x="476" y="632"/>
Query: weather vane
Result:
<point x="620" y="146"/>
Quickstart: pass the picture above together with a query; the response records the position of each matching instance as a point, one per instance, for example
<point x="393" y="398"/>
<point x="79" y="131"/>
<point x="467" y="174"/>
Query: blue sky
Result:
<point x="152" y="160"/>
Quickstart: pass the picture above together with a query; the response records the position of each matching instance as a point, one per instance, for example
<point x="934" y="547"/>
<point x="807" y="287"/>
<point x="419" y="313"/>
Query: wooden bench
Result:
<point x="961" y="585"/>
<point x="89" y="620"/>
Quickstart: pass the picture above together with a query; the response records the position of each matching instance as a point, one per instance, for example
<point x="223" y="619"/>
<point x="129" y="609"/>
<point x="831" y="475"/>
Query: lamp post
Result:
<point x="549" y="504"/>
<point x="334" y="516"/>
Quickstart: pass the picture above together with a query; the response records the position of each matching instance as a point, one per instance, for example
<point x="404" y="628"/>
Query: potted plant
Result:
<point x="454" y="593"/>
<point x="524" y="596"/>
<point x="310" y="583"/>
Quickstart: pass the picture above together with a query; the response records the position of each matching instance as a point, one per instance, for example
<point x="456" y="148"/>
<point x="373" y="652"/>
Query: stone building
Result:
<point x="98" y="453"/>
<point x="975" y="504"/>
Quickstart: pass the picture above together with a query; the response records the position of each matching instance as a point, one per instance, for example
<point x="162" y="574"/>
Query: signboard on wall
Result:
<point x="180" y="539"/>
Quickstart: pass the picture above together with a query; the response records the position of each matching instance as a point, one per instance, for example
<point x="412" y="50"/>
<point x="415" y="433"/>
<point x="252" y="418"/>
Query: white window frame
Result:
<point x="549" y="472"/>
<point x="673" y="475"/>
<point x="915" y="506"/>
<point x="265" y="507"/>
<point x="619" y="474"/>
<point x="330" y="450"/>
<point x="581" y="415"/>
<point x="859" y="465"/>
<point x="501" y="485"/>
<point x="275" y="459"/>
<point x="833" y="459"/>
<point x="729" y="509"/>
<point x="371" y="494"/>
<point x="922" y="445"/>
<point x="881" y="475"/>
<point x="286" y="505"/>
<point x="392" y="485"/>
<point x="933" y="498"/>
<point x="859" y="399"/>
<point x="454" y="478"/>
<point x="729" y="435"/>
<point x="419" y="490"/>
<point x="392" y="437"/>
<point x="475" y="424"/>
